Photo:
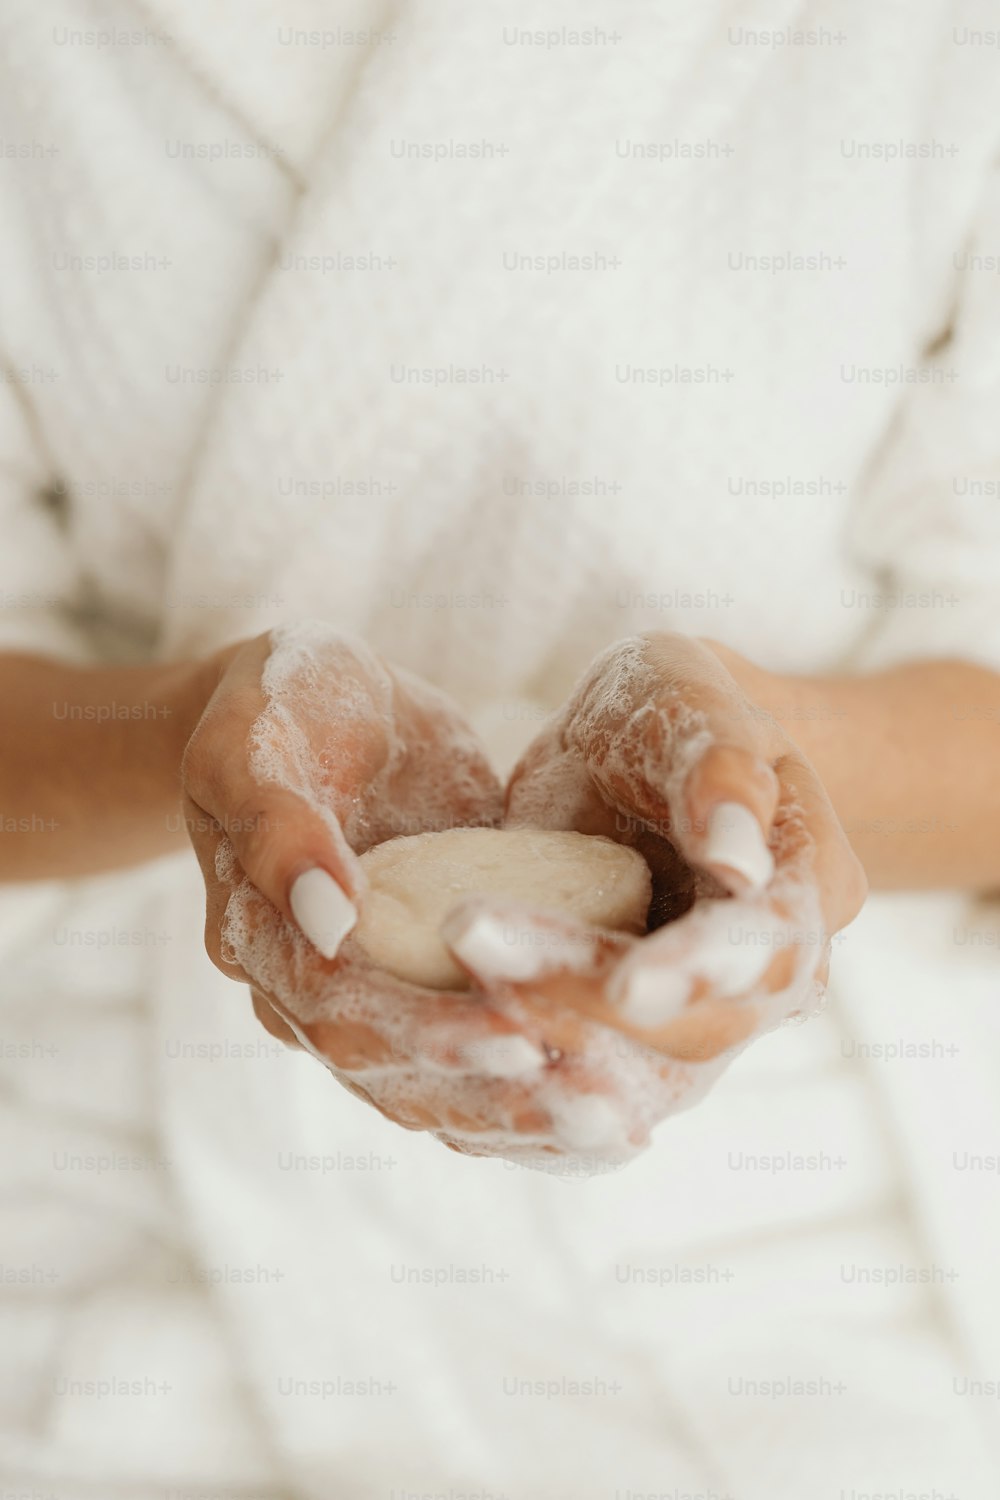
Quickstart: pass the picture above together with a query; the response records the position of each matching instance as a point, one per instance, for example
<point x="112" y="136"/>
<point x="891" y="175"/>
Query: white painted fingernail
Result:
<point x="479" y="941"/>
<point x="511" y="950"/>
<point x="504" y="1057"/>
<point x="322" y="910"/>
<point x="649" y="994"/>
<point x="734" y="839"/>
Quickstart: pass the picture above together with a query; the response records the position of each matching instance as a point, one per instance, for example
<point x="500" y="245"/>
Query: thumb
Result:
<point x="723" y="802"/>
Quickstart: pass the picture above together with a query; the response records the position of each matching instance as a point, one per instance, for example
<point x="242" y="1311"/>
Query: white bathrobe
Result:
<point x="495" y="333"/>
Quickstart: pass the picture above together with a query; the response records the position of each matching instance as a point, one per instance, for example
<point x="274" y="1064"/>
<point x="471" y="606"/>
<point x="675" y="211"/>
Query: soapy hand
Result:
<point x="661" y="747"/>
<point x="572" y="1044"/>
<point x="311" y="750"/>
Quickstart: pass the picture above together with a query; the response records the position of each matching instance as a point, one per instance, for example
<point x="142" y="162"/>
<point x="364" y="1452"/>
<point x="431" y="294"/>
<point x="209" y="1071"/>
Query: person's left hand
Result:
<point x="659" y="747"/>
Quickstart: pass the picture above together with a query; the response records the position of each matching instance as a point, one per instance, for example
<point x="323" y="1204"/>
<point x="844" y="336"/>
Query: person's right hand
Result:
<point x="311" y="750"/>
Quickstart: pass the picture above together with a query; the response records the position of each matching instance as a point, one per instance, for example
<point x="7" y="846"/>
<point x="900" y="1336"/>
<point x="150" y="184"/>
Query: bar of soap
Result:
<point x="414" y="882"/>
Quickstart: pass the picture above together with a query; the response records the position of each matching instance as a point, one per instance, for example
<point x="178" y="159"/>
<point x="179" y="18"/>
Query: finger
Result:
<point x="271" y="1021"/>
<point x="729" y="801"/>
<point x="360" y="1016"/>
<point x="811" y="846"/>
<point x="712" y="755"/>
<point x="743" y="782"/>
<point x="596" y="1106"/>
<point x="295" y="855"/>
<point x="718" y="975"/>
<point x="505" y="942"/>
<point x="604" y="1098"/>
<point x="208" y="841"/>
<point x="546" y="959"/>
<point x="458" y="1067"/>
<point x="543" y="958"/>
<point x="707" y="1027"/>
<point x="429" y="1058"/>
<point x="369" y="1021"/>
<point x="470" y="1107"/>
<point x="578" y="1108"/>
<point x="663" y="734"/>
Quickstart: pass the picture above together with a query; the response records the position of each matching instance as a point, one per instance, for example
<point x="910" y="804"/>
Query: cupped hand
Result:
<point x="662" y="747"/>
<point x="312" y="748"/>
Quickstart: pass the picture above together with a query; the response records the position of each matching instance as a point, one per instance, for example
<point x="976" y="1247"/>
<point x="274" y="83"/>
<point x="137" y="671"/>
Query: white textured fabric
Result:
<point x="236" y="435"/>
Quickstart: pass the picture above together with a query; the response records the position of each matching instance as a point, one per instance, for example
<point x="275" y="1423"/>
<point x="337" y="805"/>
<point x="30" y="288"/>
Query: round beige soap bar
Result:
<point x="415" y="882"/>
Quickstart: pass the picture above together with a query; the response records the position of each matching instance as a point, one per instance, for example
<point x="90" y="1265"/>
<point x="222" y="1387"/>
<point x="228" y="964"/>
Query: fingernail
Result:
<point x="477" y="940"/>
<point x="517" y="952"/>
<point x="650" y="994"/>
<point x="504" y="1057"/>
<point x="493" y="949"/>
<point x="734" y="839"/>
<point x="322" y="910"/>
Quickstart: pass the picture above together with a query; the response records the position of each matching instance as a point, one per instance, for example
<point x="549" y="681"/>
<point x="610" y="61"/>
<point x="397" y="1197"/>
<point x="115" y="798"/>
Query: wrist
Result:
<point x="767" y="690"/>
<point x="810" y="711"/>
<point x="185" y="689"/>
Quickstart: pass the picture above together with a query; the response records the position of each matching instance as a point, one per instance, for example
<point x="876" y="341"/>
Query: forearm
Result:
<point x="911" y="760"/>
<point x="90" y="763"/>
